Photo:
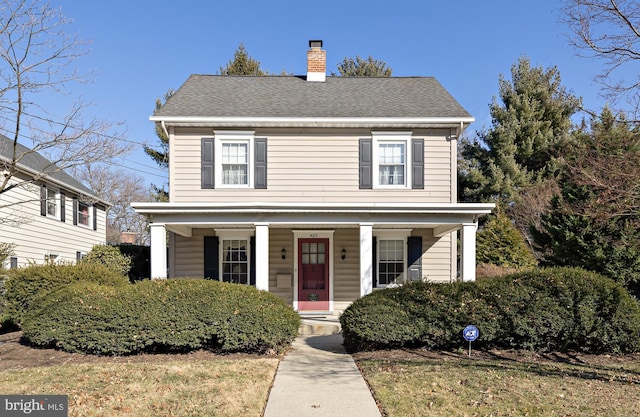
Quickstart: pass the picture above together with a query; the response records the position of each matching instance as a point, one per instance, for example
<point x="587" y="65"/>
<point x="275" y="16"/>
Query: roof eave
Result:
<point x="46" y="177"/>
<point x="307" y="122"/>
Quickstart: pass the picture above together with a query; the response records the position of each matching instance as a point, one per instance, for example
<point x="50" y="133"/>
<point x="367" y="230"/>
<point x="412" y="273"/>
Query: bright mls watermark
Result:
<point x="34" y="405"/>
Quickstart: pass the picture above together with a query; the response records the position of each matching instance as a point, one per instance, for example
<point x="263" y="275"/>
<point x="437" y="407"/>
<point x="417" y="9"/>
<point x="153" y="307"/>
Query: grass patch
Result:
<point x="473" y="387"/>
<point x="222" y="388"/>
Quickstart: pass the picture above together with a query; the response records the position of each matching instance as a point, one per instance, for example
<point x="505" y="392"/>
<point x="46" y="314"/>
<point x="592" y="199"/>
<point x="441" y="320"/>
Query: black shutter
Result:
<point x="414" y="255"/>
<point x="260" y="180"/>
<point x="43" y="200"/>
<point x="75" y="211"/>
<point x="207" y="162"/>
<point x="95" y="218"/>
<point x="62" y="204"/>
<point x="252" y="261"/>
<point x="374" y="261"/>
<point x="366" y="164"/>
<point x="417" y="164"/>
<point x="211" y="257"/>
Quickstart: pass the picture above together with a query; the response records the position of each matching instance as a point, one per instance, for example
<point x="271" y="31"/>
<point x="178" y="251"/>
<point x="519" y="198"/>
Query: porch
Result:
<point x="317" y="258"/>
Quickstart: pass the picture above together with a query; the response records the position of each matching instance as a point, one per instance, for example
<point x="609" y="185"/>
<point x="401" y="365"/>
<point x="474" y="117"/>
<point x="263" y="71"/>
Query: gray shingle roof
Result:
<point x="293" y="97"/>
<point x="35" y="162"/>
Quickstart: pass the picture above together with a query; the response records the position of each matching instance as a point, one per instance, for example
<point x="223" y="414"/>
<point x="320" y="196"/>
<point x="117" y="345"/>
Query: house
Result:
<point x="317" y="188"/>
<point x="48" y="215"/>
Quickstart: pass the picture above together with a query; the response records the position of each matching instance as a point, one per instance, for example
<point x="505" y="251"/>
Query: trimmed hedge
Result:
<point x="163" y="315"/>
<point x="24" y="286"/>
<point x="554" y="309"/>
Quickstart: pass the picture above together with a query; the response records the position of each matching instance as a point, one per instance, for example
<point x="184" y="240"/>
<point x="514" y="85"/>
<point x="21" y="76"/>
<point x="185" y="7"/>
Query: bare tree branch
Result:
<point x="610" y="31"/>
<point x="36" y="65"/>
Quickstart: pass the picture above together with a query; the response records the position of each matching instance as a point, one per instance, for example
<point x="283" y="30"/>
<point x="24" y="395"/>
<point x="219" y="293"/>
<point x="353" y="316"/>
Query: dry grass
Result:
<point x="193" y="388"/>
<point x="472" y="387"/>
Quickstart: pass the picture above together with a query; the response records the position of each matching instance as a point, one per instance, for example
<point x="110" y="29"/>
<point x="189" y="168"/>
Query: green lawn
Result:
<point x="459" y="386"/>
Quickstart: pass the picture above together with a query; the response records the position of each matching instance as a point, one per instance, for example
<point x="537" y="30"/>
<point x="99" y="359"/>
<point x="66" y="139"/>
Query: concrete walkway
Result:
<point x="317" y="378"/>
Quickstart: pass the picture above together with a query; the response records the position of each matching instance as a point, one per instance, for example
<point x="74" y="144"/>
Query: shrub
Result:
<point x="109" y="256"/>
<point x="25" y="286"/>
<point x="164" y="315"/>
<point x="140" y="260"/>
<point x="559" y="309"/>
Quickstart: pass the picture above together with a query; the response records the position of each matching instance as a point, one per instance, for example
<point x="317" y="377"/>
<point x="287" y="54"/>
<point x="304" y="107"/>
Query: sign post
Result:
<point x="470" y="333"/>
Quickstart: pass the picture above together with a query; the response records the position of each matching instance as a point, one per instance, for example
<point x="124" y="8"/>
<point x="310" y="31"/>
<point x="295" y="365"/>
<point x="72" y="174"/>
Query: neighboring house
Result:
<point x="50" y="216"/>
<point x="318" y="189"/>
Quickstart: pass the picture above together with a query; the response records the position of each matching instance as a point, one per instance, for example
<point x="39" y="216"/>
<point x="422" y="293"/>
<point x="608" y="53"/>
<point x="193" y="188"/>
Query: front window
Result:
<point x="234" y="159"/>
<point x="390" y="261"/>
<point x="391" y="151"/>
<point x="83" y="214"/>
<point x="52" y="202"/>
<point x="235" y="163"/>
<point x="391" y="163"/>
<point x="235" y="261"/>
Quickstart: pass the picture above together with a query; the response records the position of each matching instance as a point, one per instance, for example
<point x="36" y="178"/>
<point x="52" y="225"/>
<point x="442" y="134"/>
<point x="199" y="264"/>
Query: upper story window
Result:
<point x="392" y="165"/>
<point x="235" y="163"/>
<point x="391" y="160"/>
<point x="84" y="214"/>
<point x="391" y="150"/>
<point x="52" y="202"/>
<point x="234" y="159"/>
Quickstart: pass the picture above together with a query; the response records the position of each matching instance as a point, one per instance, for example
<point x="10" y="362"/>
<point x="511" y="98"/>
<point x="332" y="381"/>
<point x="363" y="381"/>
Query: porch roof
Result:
<point x="181" y="218"/>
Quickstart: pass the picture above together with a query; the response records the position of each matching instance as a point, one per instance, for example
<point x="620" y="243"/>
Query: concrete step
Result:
<point x="319" y="326"/>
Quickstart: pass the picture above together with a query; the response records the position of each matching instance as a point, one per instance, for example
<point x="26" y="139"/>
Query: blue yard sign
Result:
<point x="470" y="333"/>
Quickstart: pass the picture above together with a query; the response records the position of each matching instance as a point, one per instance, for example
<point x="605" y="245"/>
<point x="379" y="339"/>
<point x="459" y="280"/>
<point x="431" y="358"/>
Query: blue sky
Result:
<point x="142" y="48"/>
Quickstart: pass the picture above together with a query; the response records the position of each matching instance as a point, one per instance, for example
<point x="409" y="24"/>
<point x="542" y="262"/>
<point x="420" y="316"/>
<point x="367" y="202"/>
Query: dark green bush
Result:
<point x="109" y="256"/>
<point x="560" y="309"/>
<point x="164" y="315"/>
<point x="24" y="286"/>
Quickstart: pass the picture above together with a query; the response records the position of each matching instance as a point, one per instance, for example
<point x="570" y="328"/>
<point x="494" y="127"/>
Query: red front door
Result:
<point x="313" y="274"/>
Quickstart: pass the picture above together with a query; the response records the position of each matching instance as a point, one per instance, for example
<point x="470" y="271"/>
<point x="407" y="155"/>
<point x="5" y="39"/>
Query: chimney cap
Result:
<point x="315" y="43"/>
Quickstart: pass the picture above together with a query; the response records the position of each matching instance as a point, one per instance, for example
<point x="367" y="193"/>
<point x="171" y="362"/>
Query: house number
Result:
<point x="313" y="235"/>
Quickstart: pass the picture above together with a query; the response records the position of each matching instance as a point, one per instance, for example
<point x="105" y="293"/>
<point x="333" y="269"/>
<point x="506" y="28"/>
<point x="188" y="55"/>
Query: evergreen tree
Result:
<point x="594" y="222"/>
<point x="530" y="123"/>
<point x="359" y="67"/>
<point x="500" y="243"/>
<point x="160" y="155"/>
<point x="242" y="64"/>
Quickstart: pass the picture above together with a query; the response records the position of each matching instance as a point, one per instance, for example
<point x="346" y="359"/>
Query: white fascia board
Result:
<point x="433" y="208"/>
<point x="315" y="121"/>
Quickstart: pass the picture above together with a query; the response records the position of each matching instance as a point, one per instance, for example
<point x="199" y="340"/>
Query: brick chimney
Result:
<point x="316" y="62"/>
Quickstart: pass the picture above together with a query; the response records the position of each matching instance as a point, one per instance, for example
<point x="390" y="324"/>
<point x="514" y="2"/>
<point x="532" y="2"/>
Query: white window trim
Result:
<point x="392" y="234"/>
<point x="57" y="201"/>
<point x="89" y="224"/>
<point x="228" y="136"/>
<point x="236" y="234"/>
<point x="391" y="137"/>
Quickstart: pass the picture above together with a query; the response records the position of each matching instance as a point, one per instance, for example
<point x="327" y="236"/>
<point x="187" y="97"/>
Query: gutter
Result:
<point x="369" y="122"/>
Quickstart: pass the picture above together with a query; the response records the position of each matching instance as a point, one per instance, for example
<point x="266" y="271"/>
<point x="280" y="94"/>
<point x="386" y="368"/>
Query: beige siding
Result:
<point x="281" y="239"/>
<point x="436" y="258"/>
<point x="346" y="272"/>
<point x="317" y="166"/>
<point x="37" y="236"/>
<point x="188" y="254"/>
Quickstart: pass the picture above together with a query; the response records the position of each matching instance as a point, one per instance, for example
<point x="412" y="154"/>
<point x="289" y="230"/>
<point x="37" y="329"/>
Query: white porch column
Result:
<point x="366" y="258"/>
<point x="468" y="255"/>
<point x="158" y="251"/>
<point x="262" y="256"/>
